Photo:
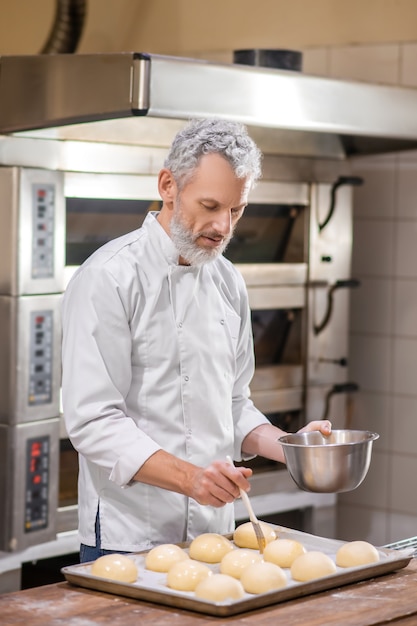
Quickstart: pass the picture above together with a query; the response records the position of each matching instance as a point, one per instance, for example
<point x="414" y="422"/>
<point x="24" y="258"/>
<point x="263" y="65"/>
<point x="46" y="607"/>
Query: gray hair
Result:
<point x="208" y="136"/>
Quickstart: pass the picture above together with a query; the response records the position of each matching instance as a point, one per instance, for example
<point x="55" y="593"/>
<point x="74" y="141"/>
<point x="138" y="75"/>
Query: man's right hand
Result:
<point x="215" y="485"/>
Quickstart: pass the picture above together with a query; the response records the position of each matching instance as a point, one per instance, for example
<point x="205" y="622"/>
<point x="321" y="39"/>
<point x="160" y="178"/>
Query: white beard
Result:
<point x="185" y="242"/>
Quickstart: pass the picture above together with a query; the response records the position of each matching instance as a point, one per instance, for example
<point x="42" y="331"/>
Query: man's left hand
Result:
<point x="324" y="426"/>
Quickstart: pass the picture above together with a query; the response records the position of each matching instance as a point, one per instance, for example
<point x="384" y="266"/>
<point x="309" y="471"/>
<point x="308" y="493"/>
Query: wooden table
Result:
<point x="386" y="599"/>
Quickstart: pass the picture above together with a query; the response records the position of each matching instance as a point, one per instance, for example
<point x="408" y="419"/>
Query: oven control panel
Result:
<point x="40" y="357"/>
<point x="29" y="483"/>
<point x="32" y="234"/>
<point x="30" y="364"/>
<point x="37" y="483"/>
<point x="43" y="230"/>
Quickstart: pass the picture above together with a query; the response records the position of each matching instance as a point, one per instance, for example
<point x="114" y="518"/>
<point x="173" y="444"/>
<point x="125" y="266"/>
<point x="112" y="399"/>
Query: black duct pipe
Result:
<point x="67" y="27"/>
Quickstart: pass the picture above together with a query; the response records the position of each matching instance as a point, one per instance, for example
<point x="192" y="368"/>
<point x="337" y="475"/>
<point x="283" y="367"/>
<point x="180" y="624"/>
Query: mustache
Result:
<point x="212" y="234"/>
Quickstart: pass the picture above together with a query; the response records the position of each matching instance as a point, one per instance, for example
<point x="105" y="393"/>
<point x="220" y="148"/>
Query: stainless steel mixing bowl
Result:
<point x="330" y="464"/>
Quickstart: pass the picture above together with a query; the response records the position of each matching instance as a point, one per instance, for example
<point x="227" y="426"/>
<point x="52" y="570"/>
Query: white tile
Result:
<point x="408" y="74"/>
<point x="405" y="307"/>
<point x="373" y="248"/>
<point x="372" y="411"/>
<point x="404" y="430"/>
<point x="406" y="248"/>
<point x="371" y="306"/>
<point x="370" y="362"/>
<point x="403" y="492"/>
<point x="405" y="366"/>
<point x="376" y="197"/>
<point x="401" y="526"/>
<point x="373" y="63"/>
<point x="316" y="61"/>
<point x="407" y="157"/>
<point x="216" y="56"/>
<point x="407" y="188"/>
<point x="358" y="523"/>
<point x="374" y="490"/>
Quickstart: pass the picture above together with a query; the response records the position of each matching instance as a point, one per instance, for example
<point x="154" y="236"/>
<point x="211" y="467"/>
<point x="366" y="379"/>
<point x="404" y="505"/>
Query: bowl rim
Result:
<point x="370" y="436"/>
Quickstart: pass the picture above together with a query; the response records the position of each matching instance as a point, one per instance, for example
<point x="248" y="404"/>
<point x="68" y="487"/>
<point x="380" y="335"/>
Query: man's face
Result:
<point x="207" y="210"/>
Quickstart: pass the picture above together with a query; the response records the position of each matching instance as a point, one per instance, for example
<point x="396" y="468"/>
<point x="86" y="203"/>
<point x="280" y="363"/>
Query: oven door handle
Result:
<point x="348" y="283"/>
<point x="338" y="388"/>
<point x="354" y="181"/>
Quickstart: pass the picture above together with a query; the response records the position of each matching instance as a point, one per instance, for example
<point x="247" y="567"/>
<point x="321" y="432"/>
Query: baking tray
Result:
<point x="152" y="587"/>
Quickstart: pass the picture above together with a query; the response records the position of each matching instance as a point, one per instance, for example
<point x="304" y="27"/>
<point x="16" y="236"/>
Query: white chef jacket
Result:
<point x="155" y="355"/>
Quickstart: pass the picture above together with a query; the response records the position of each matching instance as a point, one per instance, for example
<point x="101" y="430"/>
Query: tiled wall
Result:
<point x="383" y="350"/>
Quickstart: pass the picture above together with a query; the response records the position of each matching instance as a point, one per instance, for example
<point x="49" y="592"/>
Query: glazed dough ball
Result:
<point x="262" y="577"/>
<point x="312" y="565"/>
<point x="219" y="588"/>
<point x="244" y="535"/>
<point x="234" y="562"/>
<point x="209" y="547"/>
<point x="283" y="552"/>
<point x="185" y="575"/>
<point x="116" y="567"/>
<point x="356" y="553"/>
<point x="161" y="558"/>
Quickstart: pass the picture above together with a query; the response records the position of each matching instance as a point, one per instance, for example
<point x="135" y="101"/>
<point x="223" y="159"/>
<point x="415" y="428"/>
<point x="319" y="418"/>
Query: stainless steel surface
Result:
<point x="275" y="285"/>
<point x="329" y="261"/>
<point x="332" y="464"/>
<point x="277" y="376"/>
<point x="20" y="236"/>
<point x="151" y="586"/>
<point x="306" y="114"/>
<point x="11" y="562"/>
<point x="267" y="274"/>
<point x="135" y="147"/>
<point x="69" y="88"/>
<point x="409" y="544"/>
<point x="276" y="296"/>
<point x="20" y="399"/>
<point x="283" y="399"/>
<point x="16" y="491"/>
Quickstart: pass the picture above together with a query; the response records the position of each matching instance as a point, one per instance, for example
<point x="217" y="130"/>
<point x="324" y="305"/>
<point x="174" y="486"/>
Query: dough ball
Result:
<point x="219" y="588"/>
<point x="312" y="565"/>
<point x="244" y="535"/>
<point x="283" y="552"/>
<point x="161" y="558"/>
<point x="356" y="553"/>
<point x="116" y="567"/>
<point x="209" y="547"/>
<point x="262" y="577"/>
<point x="185" y="575"/>
<point x="234" y="562"/>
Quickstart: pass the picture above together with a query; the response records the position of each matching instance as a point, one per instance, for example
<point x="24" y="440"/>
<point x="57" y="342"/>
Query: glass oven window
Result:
<point x="269" y="233"/>
<point x="277" y="336"/>
<point x="91" y="222"/>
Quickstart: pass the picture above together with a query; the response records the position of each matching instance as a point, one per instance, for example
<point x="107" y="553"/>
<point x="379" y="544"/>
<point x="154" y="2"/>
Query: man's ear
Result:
<point x="167" y="187"/>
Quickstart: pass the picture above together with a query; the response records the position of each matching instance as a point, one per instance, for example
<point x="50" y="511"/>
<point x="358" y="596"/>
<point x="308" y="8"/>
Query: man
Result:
<point x="158" y="357"/>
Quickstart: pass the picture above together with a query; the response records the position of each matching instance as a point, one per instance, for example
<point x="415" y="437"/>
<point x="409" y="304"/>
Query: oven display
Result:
<point x="43" y="214"/>
<point x="40" y="358"/>
<point x="37" y="483"/>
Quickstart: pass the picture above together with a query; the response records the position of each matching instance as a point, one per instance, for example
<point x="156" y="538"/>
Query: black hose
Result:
<point x="67" y="27"/>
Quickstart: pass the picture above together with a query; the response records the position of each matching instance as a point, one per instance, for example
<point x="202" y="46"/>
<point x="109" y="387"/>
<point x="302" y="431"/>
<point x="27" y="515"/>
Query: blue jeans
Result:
<point x="91" y="553"/>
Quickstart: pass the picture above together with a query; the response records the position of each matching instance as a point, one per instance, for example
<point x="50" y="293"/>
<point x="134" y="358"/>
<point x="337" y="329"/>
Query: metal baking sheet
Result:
<point x="152" y="587"/>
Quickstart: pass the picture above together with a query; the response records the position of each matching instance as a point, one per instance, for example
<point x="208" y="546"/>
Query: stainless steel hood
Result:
<point x="141" y="99"/>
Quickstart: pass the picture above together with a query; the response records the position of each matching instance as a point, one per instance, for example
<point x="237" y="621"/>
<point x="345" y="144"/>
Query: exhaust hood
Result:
<point x="142" y="99"/>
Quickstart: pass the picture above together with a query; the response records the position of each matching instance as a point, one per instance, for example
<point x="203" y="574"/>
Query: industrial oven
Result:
<point x="82" y="140"/>
<point x="50" y="230"/>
